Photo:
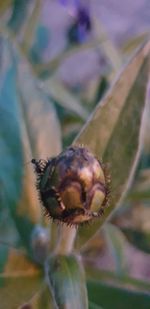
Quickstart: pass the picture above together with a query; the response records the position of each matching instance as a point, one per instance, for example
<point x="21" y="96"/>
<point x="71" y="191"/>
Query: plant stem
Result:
<point x="66" y="239"/>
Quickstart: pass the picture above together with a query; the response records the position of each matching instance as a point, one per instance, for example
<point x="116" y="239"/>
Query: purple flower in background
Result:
<point x="81" y="25"/>
<point x="83" y="18"/>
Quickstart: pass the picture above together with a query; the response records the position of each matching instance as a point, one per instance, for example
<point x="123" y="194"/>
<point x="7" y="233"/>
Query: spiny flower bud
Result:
<point x="73" y="186"/>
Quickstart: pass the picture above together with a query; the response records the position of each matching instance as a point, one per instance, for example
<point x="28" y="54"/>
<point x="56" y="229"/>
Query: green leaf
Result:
<point x="42" y="299"/>
<point x="38" y="113"/>
<point x="35" y="110"/>
<point x="8" y="232"/>
<point x="30" y="26"/>
<point x="140" y="190"/>
<point x="4" y="6"/>
<point x="17" y="291"/>
<point x="139" y="239"/>
<point x="19" y="12"/>
<point x="59" y="93"/>
<point x="94" y="306"/>
<point x="42" y="131"/>
<point x="11" y="149"/>
<point x="11" y="156"/>
<point x="110" y="297"/>
<point x="115" y="279"/>
<point x="19" y="278"/>
<point x="67" y="282"/>
<point x="117" y="244"/>
<point x="110" y="51"/>
<point x="39" y="122"/>
<point x="107" y="132"/>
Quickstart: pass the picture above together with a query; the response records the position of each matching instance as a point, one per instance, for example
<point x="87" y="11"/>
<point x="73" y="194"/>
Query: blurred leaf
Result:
<point x="18" y="16"/>
<point x="110" y="297"/>
<point x="70" y="124"/>
<point x="40" y="44"/>
<point x="140" y="195"/>
<point x="107" y="46"/>
<point x="11" y="150"/>
<point x="130" y="45"/>
<point x="70" y="136"/>
<point x="123" y="281"/>
<point x="19" y="278"/>
<point x="39" y="115"/>
<point x="28" y="212"/>
<point x="39" y="122"/>
<point x="141" y="187"/>
<point x="10" y="138"/>
<point x="101" y="89"/>
<point x="66" y="279"/>
<point x="4" y="5"/>
<point x="16" y="291"/>
<point x="94" y="306"/>
<point x="8" y="231"/>
<point x="107" y="132"/>
<point x="14" y="262"/>
<point x="35" y="110"/>
<point x="42" y="128"/>
<point x="30" y="26"/>
<point x="54" y="64"/>
<point x="139" y="239"/>
<point x="117" y="244"/>
<point x="42" y="299"/>
<point x="66" y="99"/>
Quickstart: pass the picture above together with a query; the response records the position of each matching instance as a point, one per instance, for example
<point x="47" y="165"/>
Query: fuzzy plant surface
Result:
<point x="42" y="258"/>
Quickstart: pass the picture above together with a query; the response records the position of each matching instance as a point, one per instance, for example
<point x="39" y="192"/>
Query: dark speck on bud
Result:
<point x="74" y="186"/>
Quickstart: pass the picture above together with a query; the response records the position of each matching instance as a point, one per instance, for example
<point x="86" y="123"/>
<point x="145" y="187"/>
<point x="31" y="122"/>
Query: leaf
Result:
<point x="12" y="151"/>
<point x="66" y="281"/>
<point x="30" y="26"/>
<point x="39" y="122"/>
<point x="19" y="13"/>
<point x="27" y="213"/>
<point x="8" y="232"/>
<point x="41" y="127"/>
<point x="140" y="190"/>
<point x="109" y="297"/>
<point x="94" y="306"/>
<point x="14" y="262"/>
<point x="19" y="278"/>
<point x="115" y="279"/>
<point x="42" y="299"/>
<point x="39" y="114"/>
<point x="110" y="51"/>
<point x="63" y="97"/>
<point x="107" y="132"/>
<point x="139" y="239"/>
<point x="54" y="64"/>
<point x="4" y="6"/>
<point x="15" y="292"/>
<point x="11" y="156"/>
<point x="130" y="45"/>
<point x="117" y="244"/>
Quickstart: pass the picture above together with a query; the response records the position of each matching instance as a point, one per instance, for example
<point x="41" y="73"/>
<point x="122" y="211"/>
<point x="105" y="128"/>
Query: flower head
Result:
<point x="73" y="186"/>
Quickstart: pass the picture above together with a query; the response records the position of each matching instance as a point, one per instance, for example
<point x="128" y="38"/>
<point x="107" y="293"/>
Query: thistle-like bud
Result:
<point x="73" y="186"/>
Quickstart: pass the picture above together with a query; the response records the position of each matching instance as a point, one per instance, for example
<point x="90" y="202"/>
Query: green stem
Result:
<point x="66" y="239"/>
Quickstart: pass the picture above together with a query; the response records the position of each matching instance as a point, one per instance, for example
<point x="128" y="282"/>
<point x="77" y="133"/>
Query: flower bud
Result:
<point x="73" y="186"/>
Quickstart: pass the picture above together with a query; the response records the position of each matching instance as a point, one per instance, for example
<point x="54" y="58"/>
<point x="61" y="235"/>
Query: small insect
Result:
<point x="74" y="186"/>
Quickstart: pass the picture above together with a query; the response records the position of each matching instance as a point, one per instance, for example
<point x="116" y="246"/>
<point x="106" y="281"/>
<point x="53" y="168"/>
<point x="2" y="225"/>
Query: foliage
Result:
<point x="42" y="264"/>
